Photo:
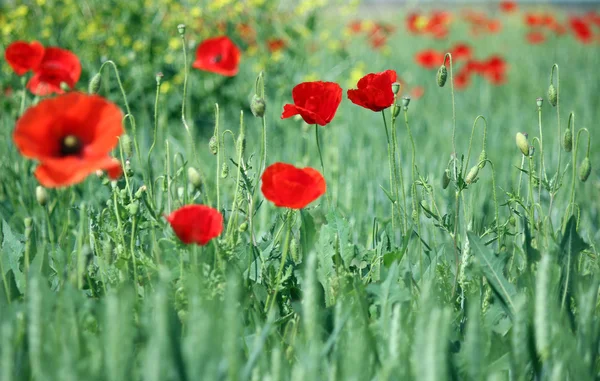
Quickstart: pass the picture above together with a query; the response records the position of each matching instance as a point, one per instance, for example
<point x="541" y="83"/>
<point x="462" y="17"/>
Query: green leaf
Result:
<point x="492" y="268"/>
<point x="12" y="248"/>
<point x="571" y="246"/>
<point x="307" y="232"/>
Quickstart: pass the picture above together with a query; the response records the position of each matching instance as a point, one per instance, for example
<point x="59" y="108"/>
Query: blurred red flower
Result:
<point x="536" y="37"/>
<point x="417" y="92"/>
<point x="533" y="19"/>
<point x="494" y="26"/>
<point x="494" y="70"/>
<point x="462" y="79"/>
<point x="57" y="66"/>
<point x="581" y="29"/>
<point x="288" y="186"/>
<point x="23" y="56"/>
<point x="429" y="58"/>
<point x="508" y="6"/>
<point x="218" y="55"/>
<point x="374" y="91"/>
<point x="71" y="135"/>
<point x="378" y="40"/>
<point x="461" y="51"/>
<point x="196" y="223"/>
<point x="275" y="44"/>
<point x="355" y="26"/>
<point x="316" y="102"/>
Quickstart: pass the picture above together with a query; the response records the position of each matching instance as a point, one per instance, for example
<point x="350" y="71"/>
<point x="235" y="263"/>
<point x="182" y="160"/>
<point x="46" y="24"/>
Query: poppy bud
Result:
<point x="405" y="102"/>
<point x="159" y="77"/>
<point x="213" y="146"/>
<point x="442" y="74"/>
<point x="224" y="170"/>
<point x="522" y="143"/>
<point x="194" y="178"/>
<point x="94" y="84"/>
<point x="552" y="95"/>
<point x="396" y="88"/>
<point x="41" y="195"/>
<point x="472" y="175"/>
<point x="568" y="140"/>
<point x="585" y="168"/>
<point x="128" y="170"/>
<point x="133" y="208"/>
<point x="181" y="29"/>
<point x="127" y="145"/>
<point x="243" y="227"/>
<point x="141" y="190"/>
<point x="512" y="221"/>
<point x="482" y="159"/>
<point x="395" y="110"/>
<point x="446" y="179"/>
<point x="539" y="102"/>
<point x="64" y="86"/>
<point x="258" y="106"/>
<point x="180" y="192"/>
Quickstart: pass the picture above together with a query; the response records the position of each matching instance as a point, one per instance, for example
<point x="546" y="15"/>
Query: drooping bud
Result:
<point x="405" y="102"/>
<point x="585" y="168"/>
<point x="194" y="178"/>
<point x="258" y="106"/>
<point x="567" y="140"/>
<point x="539" y="102"/>
<point x="446" y="179"/>
<point x="396" y="88"/>
<point x="127" y="145"/>
<point x="482" y="159"/>
<point x="224" y="170"/>
<point x="442" y="74"/>
<point x="472" y="175"/>
<point x="552" y="95"/>
<point x="213" y="146"/>
<point x="141" y="190"/>
<point x="41" y="195"/>
<point x="522" y="143"/>
<point x="94" y="84"/>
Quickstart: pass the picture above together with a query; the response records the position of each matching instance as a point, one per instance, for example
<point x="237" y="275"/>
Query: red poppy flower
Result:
<point x="374" y="91"/>
<point x="508" y="6"/>
<point x="57" y="66"/>
<point x="23" y="56"/>
<point x="196" y="223"/>
<point x="378" y="40"/>
<point x="462" y="79"/>
<point x="71" y="135"/>
<point x="582" y="30"/>
<point x="417" y="92"/>
<point x="355" y="26"/>
<point x="291" y="187"/>
<point x="494" y="70"/>
<point x="535" y="38"/>
<point x="316" y="102"/>
<point x="429" y="58"/>
<point x="461" y="51"/>
<point x="494" y="26"/>
<point x="275" y="44"/>
<point x="218" y="55"/>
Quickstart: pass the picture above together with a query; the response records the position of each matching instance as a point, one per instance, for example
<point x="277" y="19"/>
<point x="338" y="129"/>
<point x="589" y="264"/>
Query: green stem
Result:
<point x="322" y="165"/>
<point x="154" y="138"/>
<point x="217" y="137"/>
<point x="281" y="265"/>
<point x="23" y="96"/>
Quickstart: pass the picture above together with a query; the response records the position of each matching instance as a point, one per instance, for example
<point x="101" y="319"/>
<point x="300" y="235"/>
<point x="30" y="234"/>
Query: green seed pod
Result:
<point x="567" y="141"/>
<point x="213" y="146"/>
<point x="442" y="74"/>
<point x="512" y="221"/>
<point x="446" y="179"/>
<point x="396" y="87"/>
<point x="294" y="251"/>
<point x="94" y="84"/>
<point x="539" y="102"/>
<point x="585" y="168"/>
<point x="395" y="110"/>
<point x="194" y="178"/>
<point x="224" y="171"/>
<point x="258" y="106"/>
<point x="472" y="175"/>
<point x="133" y="208"/>
<point x="41" y="195"/>
<point x="243" y="227"/>
<point x="127" y="145"/>
<point x="181" y="29"/>
<point x="482" y="159"/>
<point x="522" y="143"/>
<point x="405" y="102"/>
<point x="552" y="95"/>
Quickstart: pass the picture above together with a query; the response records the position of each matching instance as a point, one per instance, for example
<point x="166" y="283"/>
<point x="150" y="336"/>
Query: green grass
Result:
<point x="95" y="288"/>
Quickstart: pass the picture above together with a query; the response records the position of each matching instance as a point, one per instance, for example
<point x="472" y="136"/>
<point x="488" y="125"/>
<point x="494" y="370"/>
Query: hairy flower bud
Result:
<point x="482" y="159"/>
<point x="127" y="145"/>
<point x="243" y="227"/>
<point x="224" y="170"/>
<point x="552" y="95"/>
<point x="472" y="175"/>
<point x="567" y="140"/>
<point x="442" y="74"/>
<point x="522" y="143"/>
<point x="41" y="195"/>
<point x="258" y="106"/>
<point x="446" y="179"/>
<point x="213" y="146"/>
<point x="194" y="178"/>
<point x="585" y="168"/>
<point x="94" y="84"/>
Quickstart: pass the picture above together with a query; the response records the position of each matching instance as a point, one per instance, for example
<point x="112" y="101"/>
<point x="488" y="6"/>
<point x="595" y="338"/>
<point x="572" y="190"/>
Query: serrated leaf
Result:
<point x="12" y="249"/>
<point x="307" y="232"/>
<point x="571" y="246"/>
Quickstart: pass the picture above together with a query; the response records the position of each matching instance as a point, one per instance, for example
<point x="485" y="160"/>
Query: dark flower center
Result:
<point x="70" y="145"/>
<point x="216" y="59"/>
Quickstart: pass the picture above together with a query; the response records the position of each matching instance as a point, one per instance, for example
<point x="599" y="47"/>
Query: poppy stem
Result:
<point x="23" y="96"/>
<point x="321" y="158"/>
<point x="287" y="223"/>
<point x="155" y="136"/>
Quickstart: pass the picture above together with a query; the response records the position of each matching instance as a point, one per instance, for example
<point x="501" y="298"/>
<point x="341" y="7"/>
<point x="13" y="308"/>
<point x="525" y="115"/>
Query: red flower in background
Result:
<point x="533" y="19"/>
<point x="581" y="29"/>
<point x="275" y="44"/>
<point x="462" y="79"/>
<point x="316" y="102"/>
<point x="291" y="187"/>
<point x="461" y="51"/>
<point x="355" y="26"/>
<point x="508" y="6"/>
<point x="196" y="223"/>
<point x="71" y="135"/>
<point x="535" y="38"/>
<point x="377" y="40"/>
<point x="57" y="66"/>
<point x="429" y="58"/>
<point x="23" y="56"/>
<point x="218" y="55"/>
<point x="494" y="26"/>
<point x="417" y="92"/>
<point x="374" y="91"/>
<point x="494" y="70"/>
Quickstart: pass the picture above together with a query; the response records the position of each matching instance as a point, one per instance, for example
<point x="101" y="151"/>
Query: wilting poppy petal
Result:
<point x="196" y="223"/>
<point x="71" y="135"/>
<point x="57" y="66"/>
<point x="288" y="186"/>
<point x="316" y="102"/>
<point x="23" y="56"/>
<point x="218" y="55"/>
<point x="374" y="91"/>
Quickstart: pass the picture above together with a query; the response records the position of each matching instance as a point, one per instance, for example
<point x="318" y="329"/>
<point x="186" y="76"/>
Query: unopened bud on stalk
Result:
<point x="482" y="159"/>
<point x="181" y="29"/>
<point x="213" y="146"/>
<point x="194" y="178"/>
<point x="224" y="170"/>
<point x="552" y="95"/>
<point x="567" y="141"/>
<point x="585" y="168"/>
<point x="159" y="77"/>
<point x="395" y="110"/>
<point x="442" y="74"/>
<point x="396" y="88"/>
<point x="133" y="208"/>
<point x="405" y="102"/>
<point x="94" y="84"/>
<point x="522" y="143"/>
<point x="180" y="192"/>
<point x="258" y="106"/>
<point x="539" y="102"/>
<point x="243" y="227"/>
<point x="41" y="195"/>
<point x="446" y="179"/>
<point x="128" y="170"/>
<point x="141" y="190"/>
<point x="472" y="175"/>
<point x="127" y="145"/>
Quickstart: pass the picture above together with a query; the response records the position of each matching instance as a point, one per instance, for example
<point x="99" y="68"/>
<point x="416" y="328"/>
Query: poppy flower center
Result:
<point x="70" y="145"/>
<point x="216" y="59"/>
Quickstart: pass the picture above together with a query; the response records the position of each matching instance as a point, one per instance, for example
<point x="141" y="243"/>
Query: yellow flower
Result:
<point x="175" y="43"/>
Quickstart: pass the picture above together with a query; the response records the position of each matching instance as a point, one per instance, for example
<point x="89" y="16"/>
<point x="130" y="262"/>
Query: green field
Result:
<point x="438" y="252"/>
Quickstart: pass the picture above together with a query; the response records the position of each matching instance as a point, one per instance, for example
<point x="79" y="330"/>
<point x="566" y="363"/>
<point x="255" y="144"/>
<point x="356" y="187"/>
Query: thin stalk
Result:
<point x="542" y="163"/>
<point x="321" y="159"/>
<point x="414" y="189"/>
<point x="398" y="176"/>
<point x="217" y="137"/>
<point x="23" y="96"/>
<point x="281" y="265"/>
<point x="154" y="136"/>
